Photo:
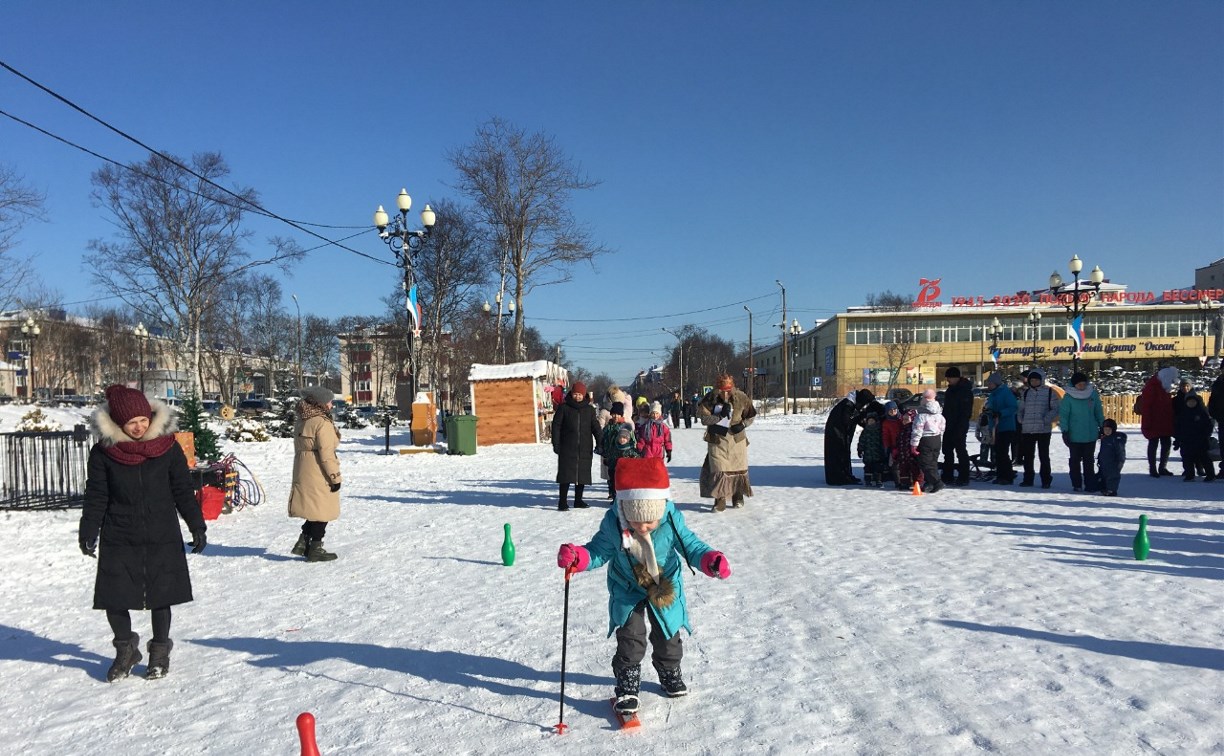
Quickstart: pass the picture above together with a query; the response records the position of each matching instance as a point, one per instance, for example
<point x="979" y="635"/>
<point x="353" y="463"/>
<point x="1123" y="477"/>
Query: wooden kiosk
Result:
<point x="512" y="402"/>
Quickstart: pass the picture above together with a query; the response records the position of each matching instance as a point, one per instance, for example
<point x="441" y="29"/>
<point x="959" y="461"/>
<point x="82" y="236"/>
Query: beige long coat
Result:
<point x="315" y="468"/>
<point x="725" y="470"/>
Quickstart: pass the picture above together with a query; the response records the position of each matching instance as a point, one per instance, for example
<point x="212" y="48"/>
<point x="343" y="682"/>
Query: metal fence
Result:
<point x="44" y="470"/>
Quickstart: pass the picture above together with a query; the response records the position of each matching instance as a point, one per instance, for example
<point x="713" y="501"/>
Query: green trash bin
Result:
<point x="461" y="434"/>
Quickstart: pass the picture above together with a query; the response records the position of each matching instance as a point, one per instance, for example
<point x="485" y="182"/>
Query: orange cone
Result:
<point x="916" y="490"/>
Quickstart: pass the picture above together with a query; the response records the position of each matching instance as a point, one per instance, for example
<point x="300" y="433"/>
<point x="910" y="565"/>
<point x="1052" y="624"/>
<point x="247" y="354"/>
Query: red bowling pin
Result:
<point x="306" y="733"/>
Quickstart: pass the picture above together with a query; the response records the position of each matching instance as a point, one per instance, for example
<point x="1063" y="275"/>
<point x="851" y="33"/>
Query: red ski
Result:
<point x="627" y="721"/>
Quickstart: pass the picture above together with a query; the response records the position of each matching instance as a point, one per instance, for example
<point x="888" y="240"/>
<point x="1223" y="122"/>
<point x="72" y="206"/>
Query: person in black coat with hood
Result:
<point x="575" y="434"/>
<point x="839" y="435"/>
<point x="136" y="490"/>
<point x="958" y="413"/>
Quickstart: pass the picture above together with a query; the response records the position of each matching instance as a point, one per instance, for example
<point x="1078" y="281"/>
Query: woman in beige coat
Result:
<point x="725" y="412"/>
<point x="315" y="492"/>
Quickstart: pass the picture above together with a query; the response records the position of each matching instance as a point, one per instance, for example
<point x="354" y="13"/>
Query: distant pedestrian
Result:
<point x="654" y="437"/>
<point x="839" y="429"/>
<point x="618" y="442"/>
<point x="1001" y="405"/>
<point x="726" y="414"/>
<point x="675" y="407"/>
<point x="926" y="440"/>
<point x="314" y="494"/>
<point x="1111" y="457"/>
<point x="958" y="414"/>
<point x="575" y="434"/>
<point x="1080" y="416"/>
<point x="1192" y="431"/>
<point x="1156" y="414"/>
<point x="1038" y="410"/>
<point x="871" y="450"/>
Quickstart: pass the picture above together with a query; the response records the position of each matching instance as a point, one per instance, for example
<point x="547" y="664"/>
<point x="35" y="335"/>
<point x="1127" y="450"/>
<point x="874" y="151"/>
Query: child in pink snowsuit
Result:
<point x="654" y="437"/>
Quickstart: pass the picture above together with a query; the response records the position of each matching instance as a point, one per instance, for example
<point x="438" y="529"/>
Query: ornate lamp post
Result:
<point x="499" y="348"/>
<point x="406" y="244"/>
<point x="785" y="351"/>
<point x="1205" y="313"/>
<point x="1077" y="302"/>
<point x="795" y="332"/>
<point x="30" y="330"/>
<point x="995" y="331"/>
<point x="142" y="333"/>
<point x="1034" y="320"/>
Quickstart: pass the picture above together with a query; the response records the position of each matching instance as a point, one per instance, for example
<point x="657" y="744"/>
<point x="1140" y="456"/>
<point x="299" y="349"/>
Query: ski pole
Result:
<point x="561" y="726"/>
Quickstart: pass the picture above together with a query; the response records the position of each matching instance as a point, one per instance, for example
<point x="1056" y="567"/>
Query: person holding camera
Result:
<point x="725" y="412"/>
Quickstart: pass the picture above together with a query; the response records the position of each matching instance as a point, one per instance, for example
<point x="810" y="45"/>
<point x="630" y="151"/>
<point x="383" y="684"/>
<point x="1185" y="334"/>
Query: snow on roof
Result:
<point x="537" y="369"/>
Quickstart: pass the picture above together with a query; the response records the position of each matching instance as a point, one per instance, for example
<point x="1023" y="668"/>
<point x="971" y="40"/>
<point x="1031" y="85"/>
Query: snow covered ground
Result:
<point x="985" y="619"/>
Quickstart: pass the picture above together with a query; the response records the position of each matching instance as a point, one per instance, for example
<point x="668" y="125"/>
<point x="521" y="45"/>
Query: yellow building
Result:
<point x="874" y="348"/>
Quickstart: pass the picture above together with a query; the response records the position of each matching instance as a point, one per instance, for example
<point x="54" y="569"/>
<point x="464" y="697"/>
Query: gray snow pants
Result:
<point x="631" y="643"/>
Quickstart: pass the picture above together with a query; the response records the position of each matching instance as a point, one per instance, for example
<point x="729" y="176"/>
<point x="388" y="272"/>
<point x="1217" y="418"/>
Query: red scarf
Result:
<point x="135" y="452"/>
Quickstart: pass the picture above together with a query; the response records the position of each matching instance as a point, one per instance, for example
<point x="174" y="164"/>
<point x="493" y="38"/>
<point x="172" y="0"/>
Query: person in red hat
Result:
<point x="575" y="433"/>
<point x="644" y="542"/>
<point x="136" y="490"/>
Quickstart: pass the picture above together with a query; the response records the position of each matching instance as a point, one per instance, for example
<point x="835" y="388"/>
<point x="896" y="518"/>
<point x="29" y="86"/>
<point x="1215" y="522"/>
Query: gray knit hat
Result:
<point x="319" y="395"/>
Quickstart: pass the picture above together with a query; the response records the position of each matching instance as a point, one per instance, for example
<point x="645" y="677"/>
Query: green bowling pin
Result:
<point x="1142" y="547"/>
<point x="507" y="548"/>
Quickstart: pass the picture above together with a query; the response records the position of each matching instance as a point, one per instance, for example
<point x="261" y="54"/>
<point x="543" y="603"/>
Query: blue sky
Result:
<point x="844" y="148"/>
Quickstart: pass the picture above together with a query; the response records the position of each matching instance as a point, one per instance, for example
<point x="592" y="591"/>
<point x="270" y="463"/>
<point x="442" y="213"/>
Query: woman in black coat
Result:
<point x="575" y="433"/>
<point x="137" y="488"/>
<point x="839" y="434"/>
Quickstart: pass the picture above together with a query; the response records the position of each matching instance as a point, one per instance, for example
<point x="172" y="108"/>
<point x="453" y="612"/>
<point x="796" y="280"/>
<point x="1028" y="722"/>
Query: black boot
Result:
<point x="672" y="681"/>
<point x="628" y="683"/>
<point x="159" y="659"/>
<point x="127" y="654"/>
<point x="299" y="548"/>
<point x="316" y="553"/>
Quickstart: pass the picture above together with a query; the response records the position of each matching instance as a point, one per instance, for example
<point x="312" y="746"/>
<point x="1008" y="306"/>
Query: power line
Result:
<point x="172" y="161"/>
<point x="651" y="317"/>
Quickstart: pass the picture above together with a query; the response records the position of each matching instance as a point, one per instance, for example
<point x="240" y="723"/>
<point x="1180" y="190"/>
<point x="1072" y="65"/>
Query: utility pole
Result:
<point x="751" y="359"/>
<point x="785" y="350"/>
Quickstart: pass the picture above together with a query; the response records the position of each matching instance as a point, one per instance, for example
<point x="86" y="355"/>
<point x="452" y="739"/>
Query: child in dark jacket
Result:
<point x="619" y="442"/>
<point x="1192" y="432"/>
<point x="871" y="451"/>
<point x="1111" y="457"/>
<point x="644" y="542"/>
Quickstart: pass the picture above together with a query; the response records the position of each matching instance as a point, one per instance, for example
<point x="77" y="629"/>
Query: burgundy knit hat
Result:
<point x="124" y="403"/>
<point x="579" y="388"/>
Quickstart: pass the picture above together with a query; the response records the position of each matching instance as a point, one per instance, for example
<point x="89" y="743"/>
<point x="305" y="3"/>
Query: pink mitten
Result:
<point x="914" y="449"/>
<point x="573" y="555"/>
<point x="715" y="564"/>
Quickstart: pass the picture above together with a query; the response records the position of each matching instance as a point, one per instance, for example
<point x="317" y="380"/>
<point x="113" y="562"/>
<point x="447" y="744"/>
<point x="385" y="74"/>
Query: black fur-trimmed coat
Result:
<point x="133" y="511"/>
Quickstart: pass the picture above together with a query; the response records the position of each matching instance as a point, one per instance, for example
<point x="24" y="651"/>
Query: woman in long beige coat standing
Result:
<point x="315" y="492"/>
<point x="725" y="412"/>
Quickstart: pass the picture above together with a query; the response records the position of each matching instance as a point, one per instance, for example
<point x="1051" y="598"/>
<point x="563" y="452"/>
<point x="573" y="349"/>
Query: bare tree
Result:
<point x="521" y="185"/>
<point x="320" y="347"/>
<point x="19" y="203"/>
<point x="179" y="241"/>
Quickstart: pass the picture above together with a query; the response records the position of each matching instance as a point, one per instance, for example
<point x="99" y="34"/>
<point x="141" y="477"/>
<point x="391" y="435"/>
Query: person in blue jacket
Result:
<point x="643" y="540"/>
<point x="1111" y="457"/>
<point x="1001" y="407"/>
<point x="1080" y="417"/>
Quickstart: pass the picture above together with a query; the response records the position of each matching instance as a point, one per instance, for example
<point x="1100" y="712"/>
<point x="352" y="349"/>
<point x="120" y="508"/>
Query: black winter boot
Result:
<point x="316" y="553"/>
<point x="628" y="683"/>
<point x="672" y="681"/>
<point x="159" y="659"/>
<point x="299" y="548"/>
<point x="127" y="654"/>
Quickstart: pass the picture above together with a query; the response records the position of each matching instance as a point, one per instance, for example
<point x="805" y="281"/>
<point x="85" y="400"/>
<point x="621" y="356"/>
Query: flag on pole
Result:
<point x="1077" y="334"/>
<point x="994" y="355"/>
<point x="414" y="310"/>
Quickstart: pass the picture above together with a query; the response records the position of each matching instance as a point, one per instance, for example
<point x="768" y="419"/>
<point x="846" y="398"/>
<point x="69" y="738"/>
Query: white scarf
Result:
<point x="639" y="547"/>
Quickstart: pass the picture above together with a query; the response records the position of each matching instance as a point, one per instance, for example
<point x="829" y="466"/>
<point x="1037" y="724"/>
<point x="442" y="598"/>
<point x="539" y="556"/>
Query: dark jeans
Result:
<point x="631" y="643"/>
<point x="1035" y="445"/>
<point x="1003" y="456"/>
<point x="1165" y="442"/>
<point x="121" y="623"/>
<point x="1081" y="465"/>
<point x="955" y="457"/>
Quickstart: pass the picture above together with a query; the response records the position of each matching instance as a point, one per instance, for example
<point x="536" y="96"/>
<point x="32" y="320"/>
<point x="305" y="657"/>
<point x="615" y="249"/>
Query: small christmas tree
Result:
<point x="192" y="418"/>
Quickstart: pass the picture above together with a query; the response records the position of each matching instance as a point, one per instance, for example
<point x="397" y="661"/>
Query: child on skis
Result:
<point x="871" y="451"/>
<point x="1111" y="457"/>
<point x="654" y="437"/>
<point x="643" y="540"/>
<point x="618" y="443"/>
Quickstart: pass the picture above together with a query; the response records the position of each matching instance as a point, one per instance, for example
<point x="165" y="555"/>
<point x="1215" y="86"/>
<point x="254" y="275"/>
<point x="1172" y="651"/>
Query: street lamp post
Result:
<point x="795" y="331"/>
<point x="406" y="244"/>
<point x="751" y="357"/>
<point x="1205" y="312"/>
<point x="1034" y="320"/>
<point x="142" y="333"/>
<point x="30" y="330"/>
<point x="1077" y="302"/>
<point x="785" y="351"/>
<point x="680" y="342"/>
<point x="995" y="332"/>
<point x="499" y="348"/>
<point x="298" y="307"/>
